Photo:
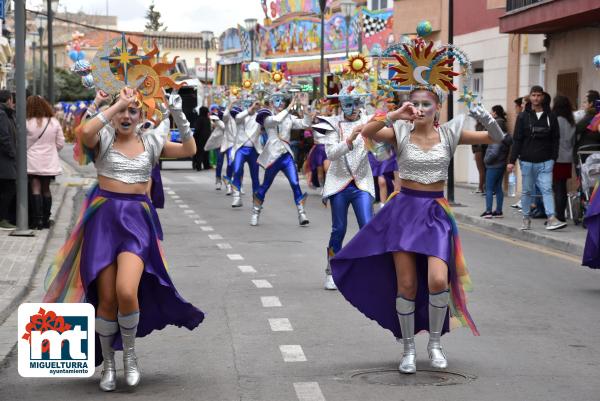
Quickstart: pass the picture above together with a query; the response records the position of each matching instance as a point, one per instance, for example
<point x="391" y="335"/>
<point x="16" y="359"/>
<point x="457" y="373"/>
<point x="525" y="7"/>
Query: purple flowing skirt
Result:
<point x="364" y="272"/>
<point x="381" y="167"/>
<point x="128" y="223"/>
<point x="591" y="252"/>
<point x="157" y="193"/>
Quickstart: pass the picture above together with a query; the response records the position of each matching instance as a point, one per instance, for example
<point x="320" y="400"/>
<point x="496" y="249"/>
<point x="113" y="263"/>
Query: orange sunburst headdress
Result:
<point x="421" y="66"/>
<point x="116" y="66"/>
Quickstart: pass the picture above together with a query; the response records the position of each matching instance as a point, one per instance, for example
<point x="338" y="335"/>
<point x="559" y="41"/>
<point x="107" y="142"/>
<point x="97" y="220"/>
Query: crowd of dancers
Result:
<point x="404" y="268"/>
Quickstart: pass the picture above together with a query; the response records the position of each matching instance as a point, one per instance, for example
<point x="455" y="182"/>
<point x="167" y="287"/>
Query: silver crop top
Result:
<point x="113" y="164"/>
<point x="427" y="167"/>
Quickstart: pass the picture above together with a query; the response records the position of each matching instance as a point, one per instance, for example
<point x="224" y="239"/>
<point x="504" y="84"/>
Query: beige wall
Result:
<point x="408" y="14"/>
<point x="573" y="51"/>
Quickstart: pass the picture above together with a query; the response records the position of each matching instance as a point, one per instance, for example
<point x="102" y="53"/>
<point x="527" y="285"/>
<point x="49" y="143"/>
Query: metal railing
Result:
<point x="512" y="5"/>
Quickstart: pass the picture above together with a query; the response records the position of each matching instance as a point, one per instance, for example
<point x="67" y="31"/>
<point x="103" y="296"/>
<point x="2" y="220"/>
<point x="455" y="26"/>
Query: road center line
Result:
<point x="262" y="284"/>
<point x="308" y="391"/>
<point x="212" y="236"/>
<point x="281" y="324"/>
<point x="235" y="256"/>
<point x="207" y="228"/>
<point x="292" y="353"/>
<point x="185" y="207"/>
<point x="178" y="201"/>
<point x="224" y="246"/>
<point x="247" y="269"/>
<point x="188" y="211"/>
<point x="270" y="302"/>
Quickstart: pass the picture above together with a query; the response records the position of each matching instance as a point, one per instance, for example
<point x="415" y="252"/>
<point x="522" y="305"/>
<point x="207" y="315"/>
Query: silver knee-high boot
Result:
<point x="106" y="330"/>
<point x="128" y="325"/>
<point x="302" y="217"/>
<point x="405" y="308"/>
<point x="438" y="308"/>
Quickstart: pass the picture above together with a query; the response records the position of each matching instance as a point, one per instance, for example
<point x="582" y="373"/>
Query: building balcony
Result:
<point x="548" y="16"/>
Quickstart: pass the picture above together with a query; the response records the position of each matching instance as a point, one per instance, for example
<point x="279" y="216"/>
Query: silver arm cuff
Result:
<point x="481" y="115"/>
<point x="102" y="118"/>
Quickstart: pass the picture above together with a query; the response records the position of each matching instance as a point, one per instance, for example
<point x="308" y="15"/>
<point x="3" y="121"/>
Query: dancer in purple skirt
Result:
<point x="113" y="258"/>
<point x="405" y="266"/>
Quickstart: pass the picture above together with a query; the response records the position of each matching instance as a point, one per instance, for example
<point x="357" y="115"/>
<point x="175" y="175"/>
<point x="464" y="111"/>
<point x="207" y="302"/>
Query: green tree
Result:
<point x="153" y="18"/>
<point x="69" y="88"/>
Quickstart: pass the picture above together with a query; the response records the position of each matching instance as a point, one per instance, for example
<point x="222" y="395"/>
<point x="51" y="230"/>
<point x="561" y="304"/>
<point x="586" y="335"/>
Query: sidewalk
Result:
<point x="24" y="260"/>
<point x="570" y="239"/>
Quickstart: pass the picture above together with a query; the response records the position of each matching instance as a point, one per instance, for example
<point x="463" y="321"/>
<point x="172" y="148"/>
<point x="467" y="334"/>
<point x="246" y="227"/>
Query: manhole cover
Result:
<point x="391" y="377"/>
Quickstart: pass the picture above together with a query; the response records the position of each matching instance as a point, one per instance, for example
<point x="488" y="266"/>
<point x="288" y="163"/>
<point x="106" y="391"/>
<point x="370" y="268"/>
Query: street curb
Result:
<point x="515" y="233"/>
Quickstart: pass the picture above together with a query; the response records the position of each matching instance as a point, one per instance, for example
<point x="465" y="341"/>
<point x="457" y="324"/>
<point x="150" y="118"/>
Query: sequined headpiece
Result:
<point x="354" y="79"/>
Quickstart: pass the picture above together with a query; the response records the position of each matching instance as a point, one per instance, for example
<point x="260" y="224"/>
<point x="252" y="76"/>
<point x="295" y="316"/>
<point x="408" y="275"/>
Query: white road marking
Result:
<point x="235" y="256"/>
<point x="184" y="207"/>
<point x="213" y="236"/>
<point x="195" y="216"/>
<point x="292" y="353"/>
<point x="308" y="391"/>
<point x="207" y="228"/>
<point x="224" y="246"/>
<point x="178" y="201"/>
<point x="270" y="302"/>
<point x="247" y="269"/>
<point x="280" y="324"/>
<point x="171" y="192"/>
<point x="262" y="284"/>
<point x="166" y="188"/>
<point x="197" y="221"/>
<point x="175" y="196"/>
<point x="188" y="211"/>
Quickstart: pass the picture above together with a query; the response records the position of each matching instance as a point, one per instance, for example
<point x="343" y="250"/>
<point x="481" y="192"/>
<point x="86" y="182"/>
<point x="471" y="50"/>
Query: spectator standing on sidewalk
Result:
<point x="495" y="159"/>
<point x="44" y="140"/>
<point x="202" y="132"/>
<point x="8" y="161"/>
<point x="478" y="154"/>
<point x="564" y="164"/>
<point x="584" y="135"/>
<point x="536" y="140"/>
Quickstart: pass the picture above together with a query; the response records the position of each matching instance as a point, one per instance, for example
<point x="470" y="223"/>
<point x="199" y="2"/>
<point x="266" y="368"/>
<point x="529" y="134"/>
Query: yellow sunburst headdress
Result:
<point x="116" y="66"/>
<point x="420" y="65"/>
<point x="354" y="78"/>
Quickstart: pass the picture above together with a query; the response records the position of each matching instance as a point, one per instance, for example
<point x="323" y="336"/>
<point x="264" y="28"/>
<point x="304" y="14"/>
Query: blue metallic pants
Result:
<point x="286" y="164"/>
<point x="248" y="155"/>
<point x="362" y="203"/>
<point x="219" y="169"/>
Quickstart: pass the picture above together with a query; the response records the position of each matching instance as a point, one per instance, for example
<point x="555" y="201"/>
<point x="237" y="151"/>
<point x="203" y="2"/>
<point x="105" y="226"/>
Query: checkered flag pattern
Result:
<point x="244" y="41"/>
<point x="373" y="25"/>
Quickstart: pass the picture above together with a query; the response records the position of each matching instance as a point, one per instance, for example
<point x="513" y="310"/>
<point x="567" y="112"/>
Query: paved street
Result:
<point x="272" y="333"/>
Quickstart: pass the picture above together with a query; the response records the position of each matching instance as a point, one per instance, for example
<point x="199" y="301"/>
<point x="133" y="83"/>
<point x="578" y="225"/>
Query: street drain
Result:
<point x="391" y="377"/>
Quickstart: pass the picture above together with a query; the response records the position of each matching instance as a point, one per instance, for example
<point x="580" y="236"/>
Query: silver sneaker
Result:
<point x="526" y="224"/>
<point x="229" y="191"/>
<point x="554" y="224"/>
<point x="329" y="283"/>
<point x="218" y="184"/>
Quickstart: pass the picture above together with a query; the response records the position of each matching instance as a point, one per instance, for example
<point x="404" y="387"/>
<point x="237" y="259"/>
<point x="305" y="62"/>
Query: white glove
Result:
<point x="481" y="115"/>
<point x="176" y="109"/>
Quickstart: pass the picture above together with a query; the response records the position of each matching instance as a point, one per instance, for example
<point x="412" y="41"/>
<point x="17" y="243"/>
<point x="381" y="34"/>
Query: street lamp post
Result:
<point x="322" y="6"/>
<point x="22" y="213"/>
<point x="41" y="34"/>
<point x="52" y="6"/>
<point x="33" y="66"/>
<point x="251" y="28"/>
<point x="347" y="7"/>
<point x="207" y="38"/>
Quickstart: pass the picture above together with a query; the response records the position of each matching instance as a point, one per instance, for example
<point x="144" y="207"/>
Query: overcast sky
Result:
<point x="177" y="15"/>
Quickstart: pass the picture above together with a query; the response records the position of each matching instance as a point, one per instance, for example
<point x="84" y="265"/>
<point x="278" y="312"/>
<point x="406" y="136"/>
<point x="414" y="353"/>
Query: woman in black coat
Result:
<point x="201" y="135"/>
